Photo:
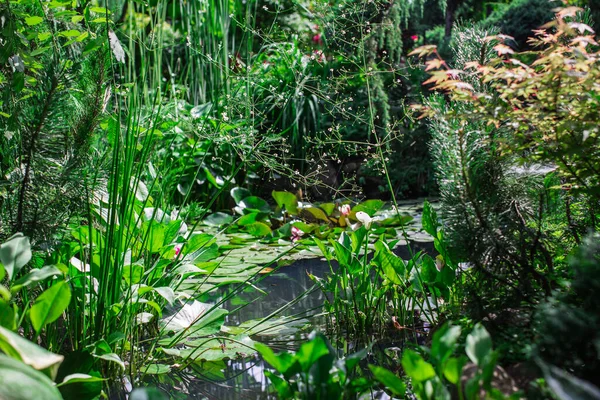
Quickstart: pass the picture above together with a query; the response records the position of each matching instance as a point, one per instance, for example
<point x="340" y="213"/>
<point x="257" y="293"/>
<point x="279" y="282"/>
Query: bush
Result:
<point x="568" y="324"/>
<point x="519" y="18"/>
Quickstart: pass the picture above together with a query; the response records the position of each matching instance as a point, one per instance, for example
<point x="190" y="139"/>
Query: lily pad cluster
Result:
<point x="290" y="218"/>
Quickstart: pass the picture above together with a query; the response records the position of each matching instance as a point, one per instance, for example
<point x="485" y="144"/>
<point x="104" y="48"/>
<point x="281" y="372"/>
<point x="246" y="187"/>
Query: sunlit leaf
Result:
<point x="50" y="305"/>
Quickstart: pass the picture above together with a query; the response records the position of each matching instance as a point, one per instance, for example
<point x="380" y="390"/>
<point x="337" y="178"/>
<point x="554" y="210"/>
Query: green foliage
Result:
<point x="433" y="379"/>
<point x="53" y="97"/>
<point x="315" y="371"/>
<point x="568" y="322"/>
<point x="356" y="307"/>
<point x="28" y="372"/>
<point x="489" y="207"/>
<point x="521" y="17"/>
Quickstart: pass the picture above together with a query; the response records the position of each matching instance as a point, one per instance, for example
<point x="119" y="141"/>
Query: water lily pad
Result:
<point x="216" y="349"/>
<point x="239" y="194"/>
<point x="287" y="201"/>
<point x="258" y="229"/>
<point x="218" y="219"/>
<point x="271" y="327"/>
<point x="254" y="204"/>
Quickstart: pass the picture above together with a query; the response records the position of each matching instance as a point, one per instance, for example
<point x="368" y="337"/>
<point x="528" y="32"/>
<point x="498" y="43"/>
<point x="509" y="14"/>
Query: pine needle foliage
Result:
<point x="52" y="99"/>
<point x="488" y="206"/>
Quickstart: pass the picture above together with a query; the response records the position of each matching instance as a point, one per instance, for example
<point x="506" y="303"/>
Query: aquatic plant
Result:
<point x="369" y="295"/>
<point x="315" y="371"/>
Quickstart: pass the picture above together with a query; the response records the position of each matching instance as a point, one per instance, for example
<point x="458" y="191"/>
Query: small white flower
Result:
<point x="364" y="219"/>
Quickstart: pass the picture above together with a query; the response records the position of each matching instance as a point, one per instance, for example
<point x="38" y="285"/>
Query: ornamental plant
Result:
<point x="547" y="98"/>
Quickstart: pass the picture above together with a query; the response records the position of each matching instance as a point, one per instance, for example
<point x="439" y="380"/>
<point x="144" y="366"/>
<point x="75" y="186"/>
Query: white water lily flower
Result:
<point x="364" y="219"/>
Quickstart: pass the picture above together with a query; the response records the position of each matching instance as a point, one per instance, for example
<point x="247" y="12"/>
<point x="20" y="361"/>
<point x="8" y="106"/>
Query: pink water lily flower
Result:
<point x="344" y="210"/>
<point x="296" y="234"/>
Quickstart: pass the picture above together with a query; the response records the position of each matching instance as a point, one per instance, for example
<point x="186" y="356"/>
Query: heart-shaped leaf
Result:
<point x="50" y="305"/>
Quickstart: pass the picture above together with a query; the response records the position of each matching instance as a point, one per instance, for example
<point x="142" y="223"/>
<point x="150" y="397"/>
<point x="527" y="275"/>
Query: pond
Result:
<point x="287" y="293"/>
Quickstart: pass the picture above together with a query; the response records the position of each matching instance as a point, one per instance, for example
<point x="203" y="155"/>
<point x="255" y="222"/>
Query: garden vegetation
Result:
<point x="164" y="163"/>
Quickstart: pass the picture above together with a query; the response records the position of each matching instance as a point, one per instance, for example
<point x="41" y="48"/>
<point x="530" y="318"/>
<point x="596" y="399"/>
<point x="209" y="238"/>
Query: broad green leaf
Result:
<point x="239" y="194"/>
<point x="286" y="200"/>
<point x="15" y="253"/>
<point x="275" y="327"/>
<point x="370" y="207"/>
<point x="428" y="270"/>
<point x="143" y="318"/>
<point x="79" y="386"/>
<point x="167" y="293"/>
<point x="193" y="313"/>
<point x="444" y="342"/>
<point x="154" y="235"/>
<point x="50" y="305"/>
<point x="114" y="358"/>
<point x="217" y="349"/>
<point x="392" y="266"/>
<point x="7" y="315"/>
<point x="133" y="273"/>
<point x="19" y="381"/>
<point x="35" y="276"/>
<point x="155" y="369"/>
<point x="74" y="378"/>
<point x="304" y="227"/>
<point x="197" y="242"/>
<point x="389" y="380"/>
<point x="248" y="219"/>
<point x="429" y="219"/>
<point x="201" y="110"/>
<point x="311" y="351"/>
<point x="281" y="362"/>
<point x="218" y="219"/>
<point x="417" y="368"/>
<point x="282" y="387"/>
<point x="34" y="20"/>
<point x="317" y="213"/>
<point x="258" y="229"/>
<point x="453" y="369"/>
<point x="99" y="10"/>
<point x="478" y="345"/>
<point x="69" y="33"/>
<point x="252" y="204"/>
<point x="17" y="347"/>
<point x="327" y="207"/>
<point x="172" y="230"/>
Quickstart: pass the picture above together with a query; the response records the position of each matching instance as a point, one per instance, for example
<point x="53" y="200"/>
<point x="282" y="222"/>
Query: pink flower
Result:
<point x="177" y="250"/>
<point x="317" y="39"/>
<point x="296" y="234"/>
<point x="414" y="38"/>
<point x="345" y="210"/>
